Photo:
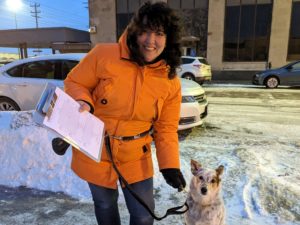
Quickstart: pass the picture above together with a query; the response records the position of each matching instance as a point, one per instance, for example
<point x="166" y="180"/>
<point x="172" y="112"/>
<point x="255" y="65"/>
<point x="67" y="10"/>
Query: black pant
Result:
<point x="106" y="203"/>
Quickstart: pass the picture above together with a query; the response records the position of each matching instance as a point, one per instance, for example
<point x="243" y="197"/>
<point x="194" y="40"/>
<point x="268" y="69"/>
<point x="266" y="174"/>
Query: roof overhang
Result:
<point x="190" y="38"/>
<point x="42" y="37"/>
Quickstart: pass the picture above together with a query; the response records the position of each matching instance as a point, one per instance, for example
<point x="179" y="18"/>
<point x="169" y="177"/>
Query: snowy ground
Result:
<point x="253" y="133"/>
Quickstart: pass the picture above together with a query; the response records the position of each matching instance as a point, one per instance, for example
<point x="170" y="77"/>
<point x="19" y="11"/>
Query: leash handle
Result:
<point x="170" y="211"/>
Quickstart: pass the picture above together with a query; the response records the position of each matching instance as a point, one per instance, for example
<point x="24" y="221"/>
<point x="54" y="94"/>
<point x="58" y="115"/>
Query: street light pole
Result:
<point x="15" y="14"/>
<point x="16" y="23"/>
<point x="15" y="6"/>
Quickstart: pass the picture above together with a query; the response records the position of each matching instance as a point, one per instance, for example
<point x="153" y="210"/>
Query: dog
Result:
<point x="206" y="206"/>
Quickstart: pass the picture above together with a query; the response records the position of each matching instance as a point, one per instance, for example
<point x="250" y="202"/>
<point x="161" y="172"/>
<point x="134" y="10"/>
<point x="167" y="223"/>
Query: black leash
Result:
<point x="171" y="211"/>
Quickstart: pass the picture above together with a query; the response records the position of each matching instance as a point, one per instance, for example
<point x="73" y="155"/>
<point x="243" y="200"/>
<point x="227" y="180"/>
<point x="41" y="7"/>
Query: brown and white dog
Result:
<point x="206" y="206"/>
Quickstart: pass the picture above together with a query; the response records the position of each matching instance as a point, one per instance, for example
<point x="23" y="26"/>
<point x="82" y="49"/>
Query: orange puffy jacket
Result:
<point x="129" y="99"/>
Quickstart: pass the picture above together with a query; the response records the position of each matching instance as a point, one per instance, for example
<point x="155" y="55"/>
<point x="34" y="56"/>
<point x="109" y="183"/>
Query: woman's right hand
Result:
<point x="84" y="106"/>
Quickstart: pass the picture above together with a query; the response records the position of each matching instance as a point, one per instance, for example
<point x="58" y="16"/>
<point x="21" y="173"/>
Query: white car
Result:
<point x="22" y="82"/>
<point x="195" y="68"/>
<point x="194" y="105"/>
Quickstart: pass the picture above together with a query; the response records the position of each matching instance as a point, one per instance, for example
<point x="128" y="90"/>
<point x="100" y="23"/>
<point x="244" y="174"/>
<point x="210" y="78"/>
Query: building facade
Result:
<point x="234" y="35"/>
<point x="109" y="18"/>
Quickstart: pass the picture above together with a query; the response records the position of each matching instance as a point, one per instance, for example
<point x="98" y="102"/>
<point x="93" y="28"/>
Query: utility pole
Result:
<point x="35" y="13"/>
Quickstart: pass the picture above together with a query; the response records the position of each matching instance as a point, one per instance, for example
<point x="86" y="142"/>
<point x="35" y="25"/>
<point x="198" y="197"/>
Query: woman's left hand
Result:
<point x="174" y="178"/>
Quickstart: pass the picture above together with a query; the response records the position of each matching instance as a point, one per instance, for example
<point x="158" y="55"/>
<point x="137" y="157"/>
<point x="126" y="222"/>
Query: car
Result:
<point x="286" y="75"/>
<point x="194" y="105"/>
<point x="23" y="81"/>
<point x="195" y="68"/>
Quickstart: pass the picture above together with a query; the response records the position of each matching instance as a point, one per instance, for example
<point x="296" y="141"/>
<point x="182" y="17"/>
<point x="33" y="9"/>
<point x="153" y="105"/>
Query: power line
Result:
<point x="53" y="14"/>
<point x="65" y="12"/>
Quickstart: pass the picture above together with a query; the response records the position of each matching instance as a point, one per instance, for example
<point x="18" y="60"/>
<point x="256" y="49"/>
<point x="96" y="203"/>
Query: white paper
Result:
<point x="81" y="129"/>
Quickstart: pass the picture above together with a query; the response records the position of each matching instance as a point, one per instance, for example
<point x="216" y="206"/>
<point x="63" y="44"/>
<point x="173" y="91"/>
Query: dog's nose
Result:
<point x="204" y="190"/>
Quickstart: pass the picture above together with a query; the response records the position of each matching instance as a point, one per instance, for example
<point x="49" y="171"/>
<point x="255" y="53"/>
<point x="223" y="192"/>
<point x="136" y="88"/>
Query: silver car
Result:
<point x="22" y="83"/>
<point x="286" y="75"/>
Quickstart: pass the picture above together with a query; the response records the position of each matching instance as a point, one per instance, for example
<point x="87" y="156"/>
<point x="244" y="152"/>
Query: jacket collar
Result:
<point x="124" y="50"/>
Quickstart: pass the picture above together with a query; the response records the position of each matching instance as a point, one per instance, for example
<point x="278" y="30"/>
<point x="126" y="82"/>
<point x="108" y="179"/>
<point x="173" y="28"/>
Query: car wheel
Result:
<point x="188" y="76"/>
<point x="6" y="104"/>
<point x="271" y="82"/>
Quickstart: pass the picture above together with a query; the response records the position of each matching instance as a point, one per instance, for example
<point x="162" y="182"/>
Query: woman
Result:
<point x="132" y="86"/>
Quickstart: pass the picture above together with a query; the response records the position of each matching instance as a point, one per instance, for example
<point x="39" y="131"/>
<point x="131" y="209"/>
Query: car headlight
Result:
<point x="186" y="99"/>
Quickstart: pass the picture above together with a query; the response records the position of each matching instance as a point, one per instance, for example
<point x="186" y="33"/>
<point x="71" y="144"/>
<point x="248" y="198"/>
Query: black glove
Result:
<point x="59" y="146"/>
<point x="174" y="178"/>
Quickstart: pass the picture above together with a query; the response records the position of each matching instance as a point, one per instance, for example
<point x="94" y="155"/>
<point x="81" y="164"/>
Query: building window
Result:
<point x="294" y="41"/>
<point x="123" y="20"/>
<point x="194" y="14"/>
<point x="188" y="4"/>
<point x="125" y="11"/>
<point x="247" y="30"/>
<point x="123" y="15"/>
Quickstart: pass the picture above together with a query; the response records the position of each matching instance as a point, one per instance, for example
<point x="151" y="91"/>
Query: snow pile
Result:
<point x="27" y="157"/>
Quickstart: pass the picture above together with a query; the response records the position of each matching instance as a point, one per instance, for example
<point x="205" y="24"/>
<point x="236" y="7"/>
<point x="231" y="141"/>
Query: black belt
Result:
<point x="131" y="138"/>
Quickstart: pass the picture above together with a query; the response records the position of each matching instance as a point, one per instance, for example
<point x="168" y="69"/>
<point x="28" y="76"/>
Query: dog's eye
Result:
<point x="213" y="181"/>
<point x="201" y="178"/>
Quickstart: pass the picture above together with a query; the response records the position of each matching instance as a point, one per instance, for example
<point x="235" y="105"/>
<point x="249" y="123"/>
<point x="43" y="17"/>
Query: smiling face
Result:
<point x="151" y="43"/>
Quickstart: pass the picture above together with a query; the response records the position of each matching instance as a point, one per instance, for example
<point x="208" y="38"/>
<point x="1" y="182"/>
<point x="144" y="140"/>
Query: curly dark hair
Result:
<point x="158" y="15"/>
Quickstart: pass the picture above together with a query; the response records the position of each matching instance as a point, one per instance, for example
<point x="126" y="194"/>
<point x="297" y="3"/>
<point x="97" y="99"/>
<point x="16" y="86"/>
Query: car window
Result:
<point x="186" y="60"/>
<point x="16" y="71"/>
<point x="296" y="66"/>
<point x="203" y="60"/>
<point x="67" y="66"/>
<point x="38" y="69"/>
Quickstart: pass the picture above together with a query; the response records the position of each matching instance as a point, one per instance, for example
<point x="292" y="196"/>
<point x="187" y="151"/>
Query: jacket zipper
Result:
<point x="141" y="71"/>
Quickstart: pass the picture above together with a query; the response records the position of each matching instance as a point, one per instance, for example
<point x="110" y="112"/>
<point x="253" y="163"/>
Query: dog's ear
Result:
<point x="220" y="170"/>
<point x="195" y="167"/>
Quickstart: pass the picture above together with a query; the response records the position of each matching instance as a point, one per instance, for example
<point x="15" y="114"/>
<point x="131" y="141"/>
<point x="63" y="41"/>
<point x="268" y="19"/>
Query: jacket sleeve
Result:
<point x="82" y="79"/>
<point x="165" y="129"/>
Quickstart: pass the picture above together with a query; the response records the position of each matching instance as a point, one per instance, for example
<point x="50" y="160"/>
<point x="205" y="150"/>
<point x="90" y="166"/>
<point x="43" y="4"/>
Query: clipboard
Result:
<point x="60" y="112"/>
<point x="44" y="103"/>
